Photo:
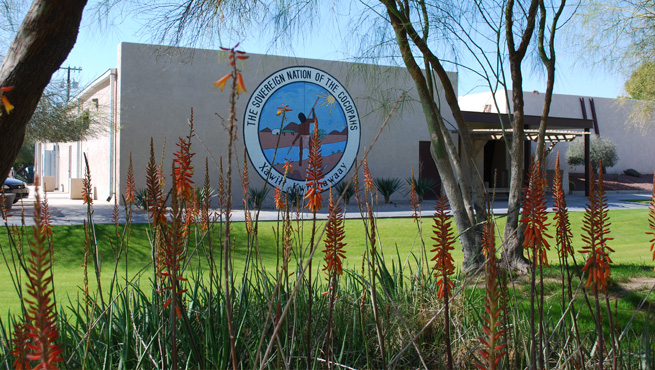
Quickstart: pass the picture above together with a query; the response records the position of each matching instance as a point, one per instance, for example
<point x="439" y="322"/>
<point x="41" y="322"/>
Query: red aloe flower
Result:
<point x="46" y="219"/>
<point x="651" y="220"/>
<point x="492" y="350"/>
<point x="245" y="185"/>
<point x="596" y="230"/>
<point x="444" y="240"/>
<point x="334" y="235"/>
<point x="21" y="341"/>
<point x="182" y="168"/>
<point x="154" y="186"/>
<point x="130" y="186"/>
<point x="115" y="215"/>
<point x="173" y="250"/>
<point x="534" y="216"/>
<point x="563" y="234"/>
<point x="368" y="179"/>
<point x="222" y="196"/>
<point x="205" y="202"/>
<point x="279" y="201"/>
<point x="315" y="173"/>
<point x="287" y="241"/>
<point x="414" y="204"/>
<point x="87" y="195"/>
<point x="40" y="315"/>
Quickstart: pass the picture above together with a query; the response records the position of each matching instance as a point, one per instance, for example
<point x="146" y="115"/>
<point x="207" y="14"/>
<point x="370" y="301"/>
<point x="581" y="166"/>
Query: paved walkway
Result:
<point x="65" y="211"/>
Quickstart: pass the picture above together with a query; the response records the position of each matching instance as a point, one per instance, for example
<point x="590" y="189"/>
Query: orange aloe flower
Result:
<point x="287" y="165"/>
<point x="5" y="101"/>
<point x="7" y="104"/>
<point x="368" y="179"/>
<point x="221" y="83"/>
<point x="279" y="200"/>
<point x="241" y="88"/>
<point x="283" y="108"/>
<point x="234" y="55"/>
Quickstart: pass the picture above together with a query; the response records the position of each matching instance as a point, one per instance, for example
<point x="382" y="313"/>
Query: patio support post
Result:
<point x="587" y="146"/>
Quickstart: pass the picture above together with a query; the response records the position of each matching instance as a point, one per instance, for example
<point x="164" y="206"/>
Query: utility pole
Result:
<point x="68" y="79"/>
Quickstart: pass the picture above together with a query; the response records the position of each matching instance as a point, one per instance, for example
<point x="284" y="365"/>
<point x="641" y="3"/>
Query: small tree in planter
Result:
<point x="600" y="149"/>
<point x="387" y="186"/>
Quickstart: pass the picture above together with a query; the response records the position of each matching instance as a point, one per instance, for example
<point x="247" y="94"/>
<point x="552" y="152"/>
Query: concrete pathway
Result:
<point x="65" y="211"/>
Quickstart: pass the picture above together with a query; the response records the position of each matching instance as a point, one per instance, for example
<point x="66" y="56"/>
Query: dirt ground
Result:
<point x="622" y="182"/>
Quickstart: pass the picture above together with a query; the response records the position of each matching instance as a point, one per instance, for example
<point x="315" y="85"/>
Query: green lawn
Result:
<point x="399" y="238"/>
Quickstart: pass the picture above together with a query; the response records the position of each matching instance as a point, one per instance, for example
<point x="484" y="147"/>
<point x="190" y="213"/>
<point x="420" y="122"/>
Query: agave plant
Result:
<point x="387" y="186"/>
<point x="347" y="188"/>
<point x="257" y="197"/>
<point x="421" y="186"/>
<point x="141" y="199"/>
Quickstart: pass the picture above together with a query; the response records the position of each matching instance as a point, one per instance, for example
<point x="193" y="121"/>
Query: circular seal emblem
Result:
<point x="316" y="99"/>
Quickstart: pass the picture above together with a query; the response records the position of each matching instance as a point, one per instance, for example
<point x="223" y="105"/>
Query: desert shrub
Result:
<point x="257" y="197"/>
<point x="387" y="186"/>
<point x="632" y="172"/>
<point x="601" y="149"/>
<point x="421" y="186"/>
<point x="346" y="188"/>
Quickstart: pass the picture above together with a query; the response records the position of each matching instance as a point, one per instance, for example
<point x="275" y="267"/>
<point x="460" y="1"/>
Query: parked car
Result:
<point x="17" y="187"/>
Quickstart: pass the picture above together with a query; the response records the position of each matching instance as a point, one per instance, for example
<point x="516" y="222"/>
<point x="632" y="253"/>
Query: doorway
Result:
<point x="495" y="164"/>
<point x="427" y="169"/>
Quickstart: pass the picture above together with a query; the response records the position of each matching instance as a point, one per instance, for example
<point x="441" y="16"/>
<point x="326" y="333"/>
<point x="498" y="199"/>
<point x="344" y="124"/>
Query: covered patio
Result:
<point x="489" y="130"/>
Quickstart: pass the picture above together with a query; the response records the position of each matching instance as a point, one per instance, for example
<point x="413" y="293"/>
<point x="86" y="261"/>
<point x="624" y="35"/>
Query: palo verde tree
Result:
<point x="56" y="119"/>
<point x="43" y="41"/>
<point x="513" y="25"/>
<point x="619" y="35"/>
<point x="494" y="36"/>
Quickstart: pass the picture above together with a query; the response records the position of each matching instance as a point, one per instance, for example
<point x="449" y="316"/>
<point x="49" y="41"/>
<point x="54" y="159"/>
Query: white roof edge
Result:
<point x="103" y="78"/>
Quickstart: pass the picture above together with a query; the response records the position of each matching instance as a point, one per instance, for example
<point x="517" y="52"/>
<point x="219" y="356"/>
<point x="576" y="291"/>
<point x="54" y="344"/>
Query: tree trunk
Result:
<point x="549" y="63"/>
<point x="469" y="238"/>
<point x="42" y="43"/>
<point x="513" y="250"/>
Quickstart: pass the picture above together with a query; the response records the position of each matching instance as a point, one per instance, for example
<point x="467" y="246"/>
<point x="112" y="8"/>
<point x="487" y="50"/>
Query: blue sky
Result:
<point x="96" y="51"/>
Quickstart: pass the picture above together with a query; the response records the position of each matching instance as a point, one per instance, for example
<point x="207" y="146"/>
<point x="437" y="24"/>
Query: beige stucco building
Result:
<point x="152" y="90"/>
